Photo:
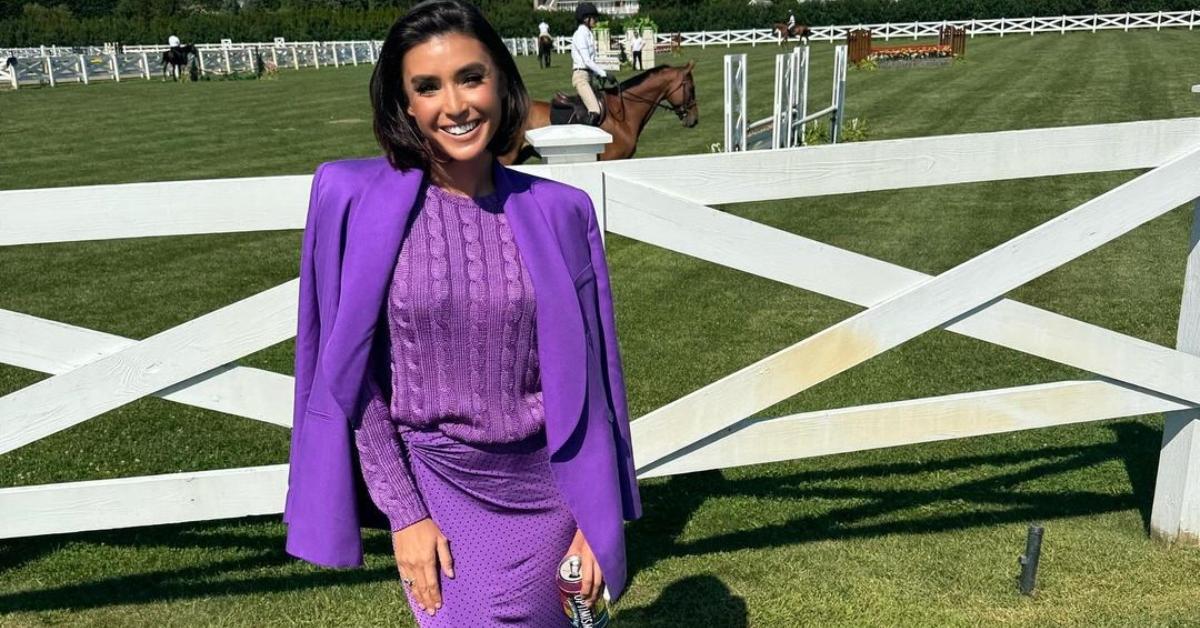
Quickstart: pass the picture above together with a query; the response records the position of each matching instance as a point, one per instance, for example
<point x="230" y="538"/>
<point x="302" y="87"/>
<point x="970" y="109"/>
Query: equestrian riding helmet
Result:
<point x="584" y="10"/>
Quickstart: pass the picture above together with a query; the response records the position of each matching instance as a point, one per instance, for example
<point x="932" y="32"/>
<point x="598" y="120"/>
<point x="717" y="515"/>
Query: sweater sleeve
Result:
<point x="384" y="463"/>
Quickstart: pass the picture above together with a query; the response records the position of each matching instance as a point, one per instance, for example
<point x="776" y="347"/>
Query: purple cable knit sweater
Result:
<point x="462" y="324"/>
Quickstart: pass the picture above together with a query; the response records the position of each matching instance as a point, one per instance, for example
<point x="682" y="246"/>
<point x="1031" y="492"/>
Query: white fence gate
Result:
<point x="665" y="202"/>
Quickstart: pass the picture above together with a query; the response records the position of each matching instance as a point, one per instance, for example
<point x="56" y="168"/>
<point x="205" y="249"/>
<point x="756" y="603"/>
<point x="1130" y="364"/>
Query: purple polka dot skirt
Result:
<point x="507" y="525"/>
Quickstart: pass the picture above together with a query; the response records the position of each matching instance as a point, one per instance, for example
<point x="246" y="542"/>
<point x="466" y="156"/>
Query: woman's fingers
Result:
<point x="597" y="581"/>
<point x="585" y="585"/>
<point x="444" y="557"/>
<point x="433" y="590"/>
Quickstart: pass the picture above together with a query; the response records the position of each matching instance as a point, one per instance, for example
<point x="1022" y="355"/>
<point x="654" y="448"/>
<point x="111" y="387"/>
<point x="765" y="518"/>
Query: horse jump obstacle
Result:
<point x="785" y="128"/>
<point x="951" y="39"/>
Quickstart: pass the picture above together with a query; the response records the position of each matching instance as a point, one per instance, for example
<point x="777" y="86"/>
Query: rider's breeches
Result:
<point x="579" y="78"/>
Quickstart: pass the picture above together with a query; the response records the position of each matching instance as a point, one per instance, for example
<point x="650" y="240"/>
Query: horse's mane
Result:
<point x="636" y="80"/>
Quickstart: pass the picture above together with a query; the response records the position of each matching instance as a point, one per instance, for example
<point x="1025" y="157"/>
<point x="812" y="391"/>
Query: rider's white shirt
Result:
<point x="636" y="44"/>
<point x="543" y="29"/>
<point x="583" y="51"/>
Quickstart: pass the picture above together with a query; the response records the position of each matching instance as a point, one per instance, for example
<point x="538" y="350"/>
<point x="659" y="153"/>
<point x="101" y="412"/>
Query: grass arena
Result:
<point x="918" y="535"/>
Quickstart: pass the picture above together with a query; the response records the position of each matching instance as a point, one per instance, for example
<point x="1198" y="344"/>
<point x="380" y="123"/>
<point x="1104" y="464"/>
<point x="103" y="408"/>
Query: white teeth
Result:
<point x="462" y="129"/>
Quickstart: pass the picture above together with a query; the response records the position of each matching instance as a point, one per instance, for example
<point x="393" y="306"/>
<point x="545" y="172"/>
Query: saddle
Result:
<point x="569" y="109"/>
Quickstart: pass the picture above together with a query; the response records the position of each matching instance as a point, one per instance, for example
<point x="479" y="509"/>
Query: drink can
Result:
<point x="570" y="585"/>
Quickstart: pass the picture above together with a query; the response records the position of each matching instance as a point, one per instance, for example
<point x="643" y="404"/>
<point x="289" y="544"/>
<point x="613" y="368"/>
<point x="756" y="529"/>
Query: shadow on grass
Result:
<point x="880" y="509"/>
<point x="691" y="601"/>
<point x="669" y="506"/>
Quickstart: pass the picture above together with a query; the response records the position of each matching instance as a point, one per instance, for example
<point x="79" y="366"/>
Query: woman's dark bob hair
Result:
<point x="395" y="130"/>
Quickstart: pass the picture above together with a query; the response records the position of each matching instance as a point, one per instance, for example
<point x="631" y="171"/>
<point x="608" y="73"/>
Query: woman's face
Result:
<point x="453" y="91"/>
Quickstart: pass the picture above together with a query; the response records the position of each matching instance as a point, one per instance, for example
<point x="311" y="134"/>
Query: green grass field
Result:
<point x="918" y="535"/>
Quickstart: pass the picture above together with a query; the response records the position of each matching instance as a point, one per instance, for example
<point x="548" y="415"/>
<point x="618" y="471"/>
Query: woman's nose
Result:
<point x="454" y="103"/>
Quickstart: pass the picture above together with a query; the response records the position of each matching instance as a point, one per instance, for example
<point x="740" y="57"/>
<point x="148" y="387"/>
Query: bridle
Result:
<point x="680" y="111"/>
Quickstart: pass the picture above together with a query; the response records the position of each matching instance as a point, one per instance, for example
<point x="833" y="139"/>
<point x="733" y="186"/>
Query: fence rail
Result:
<point x="665" y="202"/>
<point x="914" y="30"/>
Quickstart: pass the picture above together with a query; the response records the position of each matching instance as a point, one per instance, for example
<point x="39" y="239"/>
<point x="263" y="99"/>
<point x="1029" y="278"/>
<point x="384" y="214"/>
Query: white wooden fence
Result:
<point x="1004" y="26"/>
<point x="665" y="202"/>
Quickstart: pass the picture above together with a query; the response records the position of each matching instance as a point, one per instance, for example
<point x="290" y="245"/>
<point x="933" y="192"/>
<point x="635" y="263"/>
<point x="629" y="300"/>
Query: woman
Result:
<point x="583" y="59"/>
<point x="458" y="378"/>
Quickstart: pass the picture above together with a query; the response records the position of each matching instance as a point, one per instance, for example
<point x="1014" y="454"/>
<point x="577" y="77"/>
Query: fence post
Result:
<point x="83" y="69"/>
<point x="316" y="60"/>
<point x="354" y="54"/>
<point x="1175" y="516"/>
<point x="568" y="143"/>
<point x="49" y="70"/>
<point x="1095" y="20"/>
<point x="145" y="66"/>
<point x="249" y="60"/>
<point x="1062" y="27"/>
<point x="972" y="28"/>
<point x="116" y="69"/>
<point x="1002" y="22"/>
<point x="805" y="59"/>
<point x="295" y="58"/>
<point x="336" y="63"/>
<point x="1126" y="22"/>
<point x="225" y="54"/>
<point x="274" y="57"/>
<point x="703" y="39"/>
<point x="1159" y="26"/>
<point x="839" y="94"/>
<point x="371" y="51"/>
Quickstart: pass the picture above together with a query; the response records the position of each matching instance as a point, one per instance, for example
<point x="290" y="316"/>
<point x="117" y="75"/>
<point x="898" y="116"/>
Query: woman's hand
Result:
<point x="593" y="579"/>
<point x="420" y="548"/>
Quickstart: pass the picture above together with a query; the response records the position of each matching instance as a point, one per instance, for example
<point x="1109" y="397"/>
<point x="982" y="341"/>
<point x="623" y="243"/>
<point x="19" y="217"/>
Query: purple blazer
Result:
<point x="358" y="210"/>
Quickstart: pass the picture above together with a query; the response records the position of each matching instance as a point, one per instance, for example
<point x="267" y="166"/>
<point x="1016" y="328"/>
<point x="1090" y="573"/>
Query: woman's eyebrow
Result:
<point x="473" y="67"/>
<point x="470" y="67"/>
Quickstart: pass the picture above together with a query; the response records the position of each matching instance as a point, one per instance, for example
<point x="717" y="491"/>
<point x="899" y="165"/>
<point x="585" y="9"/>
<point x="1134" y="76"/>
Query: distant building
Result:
<point x="606" y="7"/>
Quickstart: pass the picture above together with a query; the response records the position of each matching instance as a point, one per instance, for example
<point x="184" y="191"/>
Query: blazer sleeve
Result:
<point x="614" y="377"/>
<point x="308" y="322"/>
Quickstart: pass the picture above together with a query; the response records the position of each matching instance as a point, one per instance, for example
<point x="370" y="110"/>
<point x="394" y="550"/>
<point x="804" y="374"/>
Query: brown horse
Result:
<point x="629" y="108"/>
<point x="783" y="33"/>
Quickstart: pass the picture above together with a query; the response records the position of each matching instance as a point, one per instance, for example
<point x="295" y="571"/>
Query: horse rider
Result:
<point x="791" y="22"/>
<point x="583" y="59"/>
<point x="173" y="41"/>
<point x="544" y="40"/>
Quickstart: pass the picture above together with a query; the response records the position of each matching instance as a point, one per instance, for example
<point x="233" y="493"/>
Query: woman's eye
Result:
<point x="425" y="88"/>
<point x="474" y="79"/>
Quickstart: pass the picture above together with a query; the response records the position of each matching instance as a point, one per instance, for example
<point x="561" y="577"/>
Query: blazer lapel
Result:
<point x="561" y="348"/>
<point x="374" y="231"/>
